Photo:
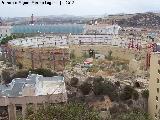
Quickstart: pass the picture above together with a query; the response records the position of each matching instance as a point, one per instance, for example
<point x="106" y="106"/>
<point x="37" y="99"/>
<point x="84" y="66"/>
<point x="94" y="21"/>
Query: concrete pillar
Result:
<point x="12" y="112"/>
<point x="24" y="107"/>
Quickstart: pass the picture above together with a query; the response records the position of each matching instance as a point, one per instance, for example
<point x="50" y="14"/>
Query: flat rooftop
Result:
<point x="33" y="85"/>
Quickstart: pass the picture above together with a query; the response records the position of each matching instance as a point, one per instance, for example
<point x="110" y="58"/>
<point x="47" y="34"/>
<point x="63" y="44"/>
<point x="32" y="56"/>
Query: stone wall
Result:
<point x="55" y="98"/>
<point x="123" y="53"/>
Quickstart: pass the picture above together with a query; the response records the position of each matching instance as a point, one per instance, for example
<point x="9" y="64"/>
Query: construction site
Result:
<point x="53" y="52"/>
<point x="32" y="58"/>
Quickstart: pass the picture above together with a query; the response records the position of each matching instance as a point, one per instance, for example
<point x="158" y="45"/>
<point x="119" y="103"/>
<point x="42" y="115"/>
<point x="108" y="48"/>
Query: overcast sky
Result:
<point x="79" y="8"/>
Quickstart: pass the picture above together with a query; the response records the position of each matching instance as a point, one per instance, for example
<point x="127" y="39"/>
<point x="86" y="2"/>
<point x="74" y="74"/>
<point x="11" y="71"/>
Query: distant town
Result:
<point x="80" y="68"/>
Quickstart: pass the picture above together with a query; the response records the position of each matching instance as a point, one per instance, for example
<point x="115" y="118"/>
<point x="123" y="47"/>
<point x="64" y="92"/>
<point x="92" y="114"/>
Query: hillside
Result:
<point x="140" y="20"/>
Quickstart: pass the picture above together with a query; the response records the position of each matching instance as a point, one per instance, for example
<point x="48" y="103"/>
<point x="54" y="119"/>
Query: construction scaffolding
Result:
<point x="54" y="58"/>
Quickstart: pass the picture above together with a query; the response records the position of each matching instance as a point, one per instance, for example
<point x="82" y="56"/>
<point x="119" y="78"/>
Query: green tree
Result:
<point x="40" y="71"/>
<point x="6" y="76"/>
<point x="7" y="38"/>
<point x="20" y="74"/>
<point x="111" y="90"/>
<point x="14" y="36"/>
<point x="44" y="72"/>
<point x="117" y="109"/>
<point x="98" y="79"/>
<point x="145" y="94"/>
<point x="85" y="88"/>
<point x="98" y="85"/>
<point x="68" y="111"/>
<point x="11" y="37"/>
<point x="135" y="95"/>
<point x="102" y="87"/>
<point x="129" y="93"/>
<point x="98" y="88"/>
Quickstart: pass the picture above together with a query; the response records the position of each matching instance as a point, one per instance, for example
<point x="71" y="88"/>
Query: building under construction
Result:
<point x="52" y="57"/>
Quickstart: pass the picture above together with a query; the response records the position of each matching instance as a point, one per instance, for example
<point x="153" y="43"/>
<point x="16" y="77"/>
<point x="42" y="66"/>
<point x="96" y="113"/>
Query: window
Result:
<point x="159" y="62"/>
<point x="157" y="90"/>
<point x="155" y="116"/>
<point x="18" y="108"/>
<point x="156" y="98"/>
<point x="156" y="107"/>
<point x="158" y="71"/>
<point x="157" y="80"/>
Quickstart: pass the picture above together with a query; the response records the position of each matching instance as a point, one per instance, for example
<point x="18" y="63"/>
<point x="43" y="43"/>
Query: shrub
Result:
<point x="133" y="115"/>
<point x="145" y="94"/>
<point x="69" y="111"/>
<point x="85" y="88"/>
<point x="20" y="74"/>
<point x="44" y="72"/>
<point x="129" y="93"/>
<point x="74" y="81"/>
<point x="101" y="87"/>
<point x="6" y="76"/>
<point x="135" y="95"/>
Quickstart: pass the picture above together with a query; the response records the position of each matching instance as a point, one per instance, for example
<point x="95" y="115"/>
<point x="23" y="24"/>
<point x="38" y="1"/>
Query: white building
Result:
<point x="34" y="85"/>
<point x="5" y="31"/>
<point x="35" y="90"/>
<point x="101" y="29"/>
<point x="80" y="39"/>
<point x="48" y="41"/>
<point x="90" y="39"/>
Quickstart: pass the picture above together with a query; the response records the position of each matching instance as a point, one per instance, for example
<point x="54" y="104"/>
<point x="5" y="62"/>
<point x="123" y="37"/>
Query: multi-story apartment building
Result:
<point x="33" y="90"/>
<point x="154" y="84"/>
